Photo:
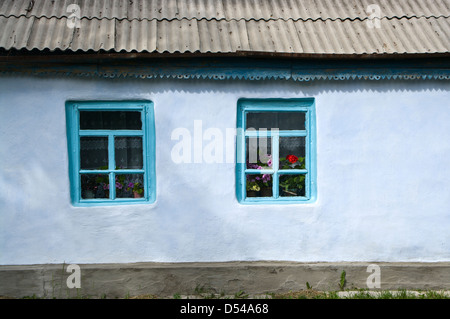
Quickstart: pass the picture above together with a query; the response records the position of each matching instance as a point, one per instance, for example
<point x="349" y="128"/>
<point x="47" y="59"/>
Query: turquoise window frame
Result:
<point x="147" y="133"/>
<point x="306" y="105"/>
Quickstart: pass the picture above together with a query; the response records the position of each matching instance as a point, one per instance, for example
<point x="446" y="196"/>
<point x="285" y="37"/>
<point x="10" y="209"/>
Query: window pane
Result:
<point x="93" y="152"/>
<point x="259" y="152"/>
<point x="292" y="152"/>
<point x="259" y="185"/>
<point x="292" y="185"/>
<point x="110" y="120"/>
<point x="94" y="186"/>
<point x="128" y="152"/>
<point x="129" y="186"/>
<point x="280" y="120"/>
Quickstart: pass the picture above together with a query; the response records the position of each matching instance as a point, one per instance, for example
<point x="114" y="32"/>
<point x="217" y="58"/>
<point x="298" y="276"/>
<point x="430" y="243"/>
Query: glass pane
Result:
<point x="280" y="120"/>
<point x="259" y="185"/>
<point x="93" y="152"/>
<point x="259" y="152"/>
<point x="292" y="185"/>
<point x="292" y="152"/>
<point x="94" y="186"/>
<point x="110" y="120"/>
<point x="128" y="152"/>
<point x="130" y="186"/>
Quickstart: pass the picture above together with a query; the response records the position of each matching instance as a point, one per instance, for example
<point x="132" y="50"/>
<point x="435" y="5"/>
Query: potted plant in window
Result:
<point x="292" y="161"/>
<point x="102" y="180"/>
<point x="292" y="185"/>
<point x="89" y="193"/>
<point x="137" y="189"/>
<point x="89" y="188"/>
<point x="253" y="187"/>
<point x="259" y="185"/>
<point x="266" y="187"/>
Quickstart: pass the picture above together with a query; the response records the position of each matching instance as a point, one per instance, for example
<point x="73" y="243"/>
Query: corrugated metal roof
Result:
<point x="225" y="9"/>
<point x="228" y="26"/>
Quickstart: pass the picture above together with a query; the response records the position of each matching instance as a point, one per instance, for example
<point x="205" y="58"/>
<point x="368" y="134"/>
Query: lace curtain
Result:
<point x="94" y="152"/>
<point x="110" y="120"/>
<point x="280" y="120"/>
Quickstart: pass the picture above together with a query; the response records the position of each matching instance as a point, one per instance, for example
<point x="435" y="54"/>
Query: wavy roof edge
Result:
<point x="226" y="9"/>
<point x="229" y="20"/>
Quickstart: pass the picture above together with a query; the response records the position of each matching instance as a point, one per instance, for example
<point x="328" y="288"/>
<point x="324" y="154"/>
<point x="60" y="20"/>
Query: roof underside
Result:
<point x="228" y="26"/>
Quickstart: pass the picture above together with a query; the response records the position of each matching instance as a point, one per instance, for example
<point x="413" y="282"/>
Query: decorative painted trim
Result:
<point x="241" y="69"/>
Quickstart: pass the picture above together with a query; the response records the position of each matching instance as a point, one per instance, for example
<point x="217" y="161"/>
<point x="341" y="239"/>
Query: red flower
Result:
<point x="292" y="158"/>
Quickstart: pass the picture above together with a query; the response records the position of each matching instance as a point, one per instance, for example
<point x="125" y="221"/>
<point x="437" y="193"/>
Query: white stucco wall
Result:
<point x="383" y="177"/>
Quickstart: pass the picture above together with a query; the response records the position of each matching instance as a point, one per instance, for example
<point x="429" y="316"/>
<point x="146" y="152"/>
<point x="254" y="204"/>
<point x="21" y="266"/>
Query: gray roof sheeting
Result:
<point x="225" y="9"/>
<point x="228" y="26"/>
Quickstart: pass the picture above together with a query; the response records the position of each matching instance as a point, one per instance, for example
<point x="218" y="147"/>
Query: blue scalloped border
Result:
<point x="245" y="69"/>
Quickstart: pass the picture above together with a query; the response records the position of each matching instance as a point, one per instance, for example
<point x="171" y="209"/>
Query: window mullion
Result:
<point x="111" y="167"/>
<point x="108" y="132"/>
<point x="268" y="132"/>
<point x="120" y="171"/>
<point x="293" y="171"/>
<point x="275" y="162"/>
<point x="292" y="133"/>
<point x="258" y="171"/>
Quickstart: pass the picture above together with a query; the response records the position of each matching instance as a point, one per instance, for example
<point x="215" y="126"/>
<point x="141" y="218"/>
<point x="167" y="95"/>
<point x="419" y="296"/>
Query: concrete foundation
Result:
<point x="167" y="279"/>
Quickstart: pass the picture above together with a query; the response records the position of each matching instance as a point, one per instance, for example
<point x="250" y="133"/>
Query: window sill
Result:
<point x="278" y="201"/>
<point x="116" y="202"/>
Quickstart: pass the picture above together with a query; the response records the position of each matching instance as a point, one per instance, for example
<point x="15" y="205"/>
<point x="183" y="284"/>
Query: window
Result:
<point x="111" y="152"/>
<point x="276" y="151"/>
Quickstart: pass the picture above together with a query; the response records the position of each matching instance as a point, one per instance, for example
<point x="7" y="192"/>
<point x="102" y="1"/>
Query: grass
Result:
<point x="364" y="294"/>
<point x="314" y="294"/>
<point x="202" y="292"/>
<point x="343" y="281"/>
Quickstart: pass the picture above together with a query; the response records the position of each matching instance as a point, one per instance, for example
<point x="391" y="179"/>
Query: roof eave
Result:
<point x="94" y="56"/>
<point x="227" y="66"/>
